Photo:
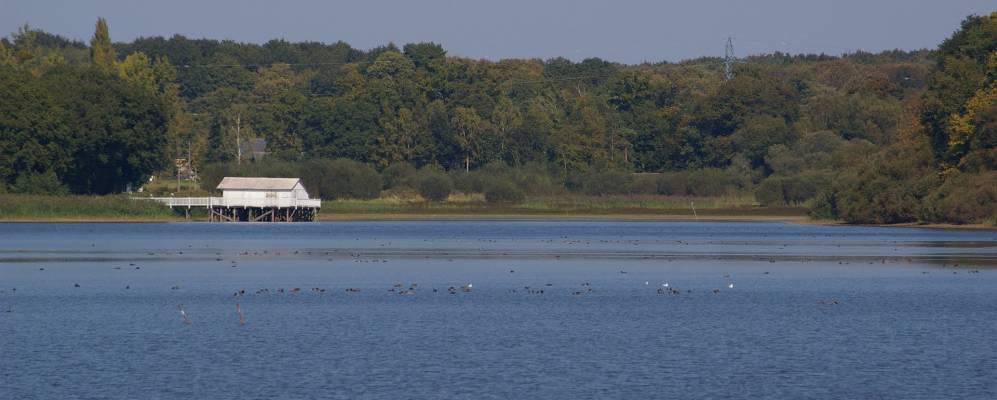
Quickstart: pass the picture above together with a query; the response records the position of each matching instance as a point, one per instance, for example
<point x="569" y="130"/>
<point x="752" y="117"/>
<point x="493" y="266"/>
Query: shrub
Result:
<point x="825" y="205"/>
<point x="501" y="191"/>
<point x="469" y="181"/>
<point x="435" y="187"/>
<point x="708" y="182"/>
<point x="790" y="190"/>
<point x="536" y="180"/>
<point x="770" y="192"/>
<point x="365" y="182"/>
<point x="644" y="183"/>
<point x="888" y="187"/>
<point x="398" y="175"/>
<point x="803" y="187"/>
<point x="211" y="175"/>
<point x="39" y="183"/>
<point x="340" y="179"/>
<point x="673" y="184"/>
<point x="601" y="183"/>
<point x="963" y="198"/>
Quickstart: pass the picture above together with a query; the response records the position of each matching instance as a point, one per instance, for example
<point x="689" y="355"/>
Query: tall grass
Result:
<point x="29" y="207"/>
<point x="539" y="205"/>
<point x="121" y="207"/>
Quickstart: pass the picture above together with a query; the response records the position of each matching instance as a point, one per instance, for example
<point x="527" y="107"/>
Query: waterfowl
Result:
<point x="183" y="313"/>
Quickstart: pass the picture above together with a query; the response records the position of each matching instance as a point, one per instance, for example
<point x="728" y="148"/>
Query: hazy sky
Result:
<point x="628" y="31"/>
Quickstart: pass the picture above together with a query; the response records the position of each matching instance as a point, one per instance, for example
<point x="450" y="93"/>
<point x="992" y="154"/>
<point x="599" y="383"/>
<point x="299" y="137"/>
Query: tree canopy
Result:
<point x="136" y="106"/>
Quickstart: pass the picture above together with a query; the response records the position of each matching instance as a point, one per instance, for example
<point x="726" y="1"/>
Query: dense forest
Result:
<point x="898" y="136"/>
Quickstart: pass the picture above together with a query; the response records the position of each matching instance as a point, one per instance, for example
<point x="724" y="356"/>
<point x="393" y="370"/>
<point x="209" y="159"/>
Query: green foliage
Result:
<point x="791" y="190"/>
<point x="963" y="198"/>
<point x="331" y="114"/>
<point x="323" y="178"/>
<point x="709" y="182"/>
<point x="946" y="175"/>
<point x="98" y="138"/>
<point x="101" y="51"/>
<point x="399" y="175"/>
<point x="600" y="183"/>
<point x="39" y="183"/>
<point x="887" y="188"/>
<point x="340" y="179"/>
<point x="963" y="86"/>
<point x="758" y="133"/>
<point x="502" y="191"/>
<point x="39" y="207"/>
<point x="702" y="182"/>
<point x="770" y="192"/>
<point x="435" y="186"/>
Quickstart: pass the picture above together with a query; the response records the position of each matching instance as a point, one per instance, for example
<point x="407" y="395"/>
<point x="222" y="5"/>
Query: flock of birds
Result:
<point x="413" y="288"/>
<point x="664" y="289"/>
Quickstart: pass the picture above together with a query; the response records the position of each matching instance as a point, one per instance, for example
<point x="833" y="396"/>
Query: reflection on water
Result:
<point x="537" y="308"/>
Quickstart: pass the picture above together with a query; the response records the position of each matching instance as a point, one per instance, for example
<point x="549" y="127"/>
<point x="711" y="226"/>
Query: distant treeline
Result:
<point x="348" y="179"/>
<point x="826" y="131"/>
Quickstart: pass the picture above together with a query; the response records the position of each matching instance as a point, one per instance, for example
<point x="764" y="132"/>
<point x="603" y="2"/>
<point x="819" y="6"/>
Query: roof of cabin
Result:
<point x="258" y="183"/>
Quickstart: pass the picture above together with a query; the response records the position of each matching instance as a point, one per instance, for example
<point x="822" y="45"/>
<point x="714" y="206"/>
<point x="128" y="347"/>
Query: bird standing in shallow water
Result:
<point x="238" y="310"/>
<point x="183" y="313"/>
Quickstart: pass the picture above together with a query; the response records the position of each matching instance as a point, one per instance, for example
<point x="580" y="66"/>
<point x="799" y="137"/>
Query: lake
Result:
<point x="496" y="309"/>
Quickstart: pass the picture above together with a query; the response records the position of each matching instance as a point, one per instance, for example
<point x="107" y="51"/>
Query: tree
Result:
<point x="276" y="113"/>
<point x="101" y="50"/>
<point x="6" y="56"/>
<point x="506" y="119"/>
<point x="435" y="187"/>
<point x="404" y="137"/>
<point x="757" y="134"/>
<point x="424" y="55"/>
<point x="962" y="85"/>
<point x="27" y="51"/>
<point x="470" y="131"/>
<point x="137" y="70"/>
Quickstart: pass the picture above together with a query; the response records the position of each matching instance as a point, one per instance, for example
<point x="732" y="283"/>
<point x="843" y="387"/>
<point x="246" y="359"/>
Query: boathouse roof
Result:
<point x="233" y="183"/>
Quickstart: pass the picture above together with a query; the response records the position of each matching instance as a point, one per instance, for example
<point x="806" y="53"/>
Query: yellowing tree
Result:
<point x="101" y="50"/>
<point x="137" y="70"/>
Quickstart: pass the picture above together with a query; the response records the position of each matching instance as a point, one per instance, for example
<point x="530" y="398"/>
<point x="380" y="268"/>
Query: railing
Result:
<point x="222" y="202"/>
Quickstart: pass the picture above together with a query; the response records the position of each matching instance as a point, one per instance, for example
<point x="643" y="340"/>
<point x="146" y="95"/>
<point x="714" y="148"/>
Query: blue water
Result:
<point x="815" y="311"/>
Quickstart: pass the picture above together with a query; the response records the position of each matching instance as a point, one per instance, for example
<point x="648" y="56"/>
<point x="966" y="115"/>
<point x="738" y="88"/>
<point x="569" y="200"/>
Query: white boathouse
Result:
<point x="254" y="200"/>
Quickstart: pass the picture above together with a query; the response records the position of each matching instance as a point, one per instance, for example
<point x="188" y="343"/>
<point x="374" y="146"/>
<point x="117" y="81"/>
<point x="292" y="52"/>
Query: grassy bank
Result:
<point x="18" y="207"/>
<point x="121" y="208"/>
<point x="571" y="206"/>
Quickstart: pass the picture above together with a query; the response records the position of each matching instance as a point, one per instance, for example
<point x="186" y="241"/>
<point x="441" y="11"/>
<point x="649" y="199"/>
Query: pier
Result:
<point x="252" y="200"/>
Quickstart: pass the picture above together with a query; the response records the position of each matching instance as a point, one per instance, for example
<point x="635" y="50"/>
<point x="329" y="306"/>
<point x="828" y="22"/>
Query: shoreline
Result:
<point x="636" y="217"/>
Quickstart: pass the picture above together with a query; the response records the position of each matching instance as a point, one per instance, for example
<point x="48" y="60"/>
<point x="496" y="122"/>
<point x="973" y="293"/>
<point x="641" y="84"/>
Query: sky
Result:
<point x="627" y="31"/>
